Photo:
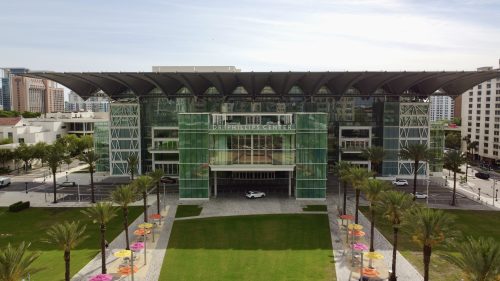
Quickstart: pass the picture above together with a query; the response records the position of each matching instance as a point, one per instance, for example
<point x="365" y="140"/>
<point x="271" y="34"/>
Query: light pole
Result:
<point x="26" y="187"/>
<point x="479" y="193"/>
<point x="496" y="195"/>
<point x="78" y="192"/>
<point x="66" y="175"/>
<point x="427" y="198"/>
<point x="493" y="192"/>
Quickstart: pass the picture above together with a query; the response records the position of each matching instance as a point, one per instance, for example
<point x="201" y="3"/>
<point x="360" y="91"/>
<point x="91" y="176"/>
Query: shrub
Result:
<point x="19" y="206"/>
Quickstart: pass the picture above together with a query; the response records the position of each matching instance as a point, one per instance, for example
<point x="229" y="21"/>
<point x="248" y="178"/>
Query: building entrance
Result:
<point x="240" y="182"/>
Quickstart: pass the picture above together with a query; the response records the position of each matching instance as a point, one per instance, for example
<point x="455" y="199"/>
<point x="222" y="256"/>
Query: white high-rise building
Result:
<point x="481" y="119"/>
<point x="442" y="108"/>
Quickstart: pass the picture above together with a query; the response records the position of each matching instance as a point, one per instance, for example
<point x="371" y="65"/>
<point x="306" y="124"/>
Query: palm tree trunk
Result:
<point x="415" y="181"/>
<point x="55" y="189"/>
<point x="466" y="169"/>
<point x="125" y="226"/>
<point x="372" y="228"/>
<point x="394" y="251"/>
<point x="344" y="207"/>
<point x="427" y="261"/>
<point x="158" y="197"/>
<point x="145" y="198"/>
<point x="357" y="205"/>
<point x="92" y="187"/>
<point x="103" y="249"/>
<point x="67" y="258"/>
<point x="375" y="170"/>
<point x="454" y="188"/>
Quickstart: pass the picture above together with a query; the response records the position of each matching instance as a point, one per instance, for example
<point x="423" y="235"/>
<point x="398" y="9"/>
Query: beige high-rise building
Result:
<point x="36" y="95"/>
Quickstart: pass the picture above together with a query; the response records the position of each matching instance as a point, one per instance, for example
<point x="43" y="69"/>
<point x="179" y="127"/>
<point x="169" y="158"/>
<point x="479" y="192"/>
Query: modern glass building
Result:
<point x="225" y="132"/>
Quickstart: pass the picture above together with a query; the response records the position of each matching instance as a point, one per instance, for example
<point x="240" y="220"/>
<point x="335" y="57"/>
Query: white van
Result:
<point x="4" y="181"/>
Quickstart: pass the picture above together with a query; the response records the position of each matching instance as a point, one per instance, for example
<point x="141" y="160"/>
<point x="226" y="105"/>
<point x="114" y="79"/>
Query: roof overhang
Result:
<point x="251" y="168"/>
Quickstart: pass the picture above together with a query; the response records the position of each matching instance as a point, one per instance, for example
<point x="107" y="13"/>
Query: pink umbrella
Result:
<point x="359" y="247"/>
<point x="137" y="246"/>
<point x="102" y="277"/>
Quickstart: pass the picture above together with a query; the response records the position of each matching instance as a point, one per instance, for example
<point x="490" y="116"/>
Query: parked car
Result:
<point x="482" y="175"/>
<point x="254" y="194"/>
<point x="420" y="195"/>
<point x="67" y="184"/>
<point x="400" y="182"/>
<point x="168" y="180"/>
<point x="4" y="181"/>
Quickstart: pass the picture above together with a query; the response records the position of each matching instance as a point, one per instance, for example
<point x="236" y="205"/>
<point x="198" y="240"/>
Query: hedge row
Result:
<point x="19" y="206"/>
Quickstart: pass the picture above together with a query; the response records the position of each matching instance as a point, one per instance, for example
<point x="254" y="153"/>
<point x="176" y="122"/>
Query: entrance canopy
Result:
<point x="251" y="168"/>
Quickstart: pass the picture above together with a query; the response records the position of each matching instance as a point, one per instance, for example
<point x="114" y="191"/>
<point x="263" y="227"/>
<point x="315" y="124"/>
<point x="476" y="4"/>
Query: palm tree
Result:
<point x="156" y="175"/>
<point x="341" y="171"/>
<point x="478" y="258"/>
<point x="143" y="184"/>
<point x="132" y="162"/>
<point x="25" y="153"/>
<point x="90" y="158"/>
<point x="66" y="236"/>
<point x="416" y="152"/>
<point x="467" y="143"/>
<point x="56" y="155"/>
<point x="358" y="178"/>
<point x="373" y="192"/>
<point x="452" y="161"/>
<point x="393" y="205"/>
<point x="429" y="227"/>
<point x="101" y="213"/>
<point x="473" y="146"/>
<point x="375" y="155"/>
<point x="125" y="195"/>
<point x="16" y="262"/>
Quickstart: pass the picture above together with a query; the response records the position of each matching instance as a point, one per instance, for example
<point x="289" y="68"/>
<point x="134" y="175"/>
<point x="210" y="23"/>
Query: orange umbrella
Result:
<point x="141" y="232"/>
<point x="357" y="233"/>
<point x="155" y="216"/>
<point x="127" y="270"/>
<point x="346" y="217"/>
<point x="370" y="272"/>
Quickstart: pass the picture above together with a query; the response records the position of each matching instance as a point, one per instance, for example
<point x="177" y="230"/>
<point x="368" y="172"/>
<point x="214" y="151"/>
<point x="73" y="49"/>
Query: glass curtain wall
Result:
<point x="101" y="146"/>
<point x="193" y="155"/>
<point x="311" y="158"/>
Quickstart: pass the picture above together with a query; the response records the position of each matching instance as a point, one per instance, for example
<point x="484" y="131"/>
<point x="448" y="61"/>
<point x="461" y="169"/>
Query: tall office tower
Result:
<point x="1" y="98"/>
<point x="75" y="102"/>
<point x="481" y="118"/>
<point x="99" y="102"/>
<point x="442" y="108"/>
<point x="7" y="74"/>
<point x="35" y="95"/>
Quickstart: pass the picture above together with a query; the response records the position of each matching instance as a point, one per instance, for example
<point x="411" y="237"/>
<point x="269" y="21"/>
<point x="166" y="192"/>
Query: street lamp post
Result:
<point x="66" y="175"/>
<point x="493" y="192"/>
<point x="496" y="195"/>
<point x="479" y="193"/>
<point x="26" y="187"/>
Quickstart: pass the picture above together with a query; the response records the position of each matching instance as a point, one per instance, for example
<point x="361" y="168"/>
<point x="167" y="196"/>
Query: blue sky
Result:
<point x="261" y="35"/>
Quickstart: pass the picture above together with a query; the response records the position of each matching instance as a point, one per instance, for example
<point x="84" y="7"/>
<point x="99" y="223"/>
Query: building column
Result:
<point x="290" y="184"/>
<point x="215" y="184"/>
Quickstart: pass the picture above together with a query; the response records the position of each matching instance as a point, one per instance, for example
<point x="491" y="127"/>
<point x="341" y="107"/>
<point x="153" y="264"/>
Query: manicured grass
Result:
<point x="469" y="223"/>
<point x="263" y="247"/>
<point x="30" y="225"/>
<point x="188" y="211"/>
<point x="314" y="208"/>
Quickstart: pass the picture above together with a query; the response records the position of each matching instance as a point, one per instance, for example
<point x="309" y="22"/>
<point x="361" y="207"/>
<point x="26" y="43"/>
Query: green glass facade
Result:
<point x="193" y="156"/>
<point x="311" y="158"/>
<point x="101" y="145"/>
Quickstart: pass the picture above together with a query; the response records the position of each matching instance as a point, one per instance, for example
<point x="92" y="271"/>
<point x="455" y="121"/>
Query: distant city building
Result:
<point x="99" y="102"/>
<point x="7" y="74"/>
<point x="35" y="95"/>
<point x="442" y="108"/>
<point x="1" y="95"/>
<point x="481" y="118"/>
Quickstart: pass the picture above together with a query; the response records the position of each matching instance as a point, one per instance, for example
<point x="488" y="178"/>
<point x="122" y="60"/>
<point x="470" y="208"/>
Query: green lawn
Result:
<point x="188" y="211"/>
<point x="263" y="247"/>
<point x="314" y="208"/>
<point x="30" y="225"/>
<point x="470" y="223"/>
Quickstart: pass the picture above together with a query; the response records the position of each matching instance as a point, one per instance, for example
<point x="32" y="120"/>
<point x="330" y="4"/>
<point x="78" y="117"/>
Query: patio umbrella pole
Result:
<point x="132" y="264"/>
<point x="145" y="238"/>
<point x="361" y="268"/>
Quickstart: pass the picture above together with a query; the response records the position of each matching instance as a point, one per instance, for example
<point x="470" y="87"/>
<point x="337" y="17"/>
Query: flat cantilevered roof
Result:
<point x="366" y="83"/>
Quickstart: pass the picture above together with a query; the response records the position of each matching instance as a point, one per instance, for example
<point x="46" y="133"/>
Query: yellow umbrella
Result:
<point x="145" y="225"/>
<point x="123" y="254"/>
<point x="355" y="226"/>
<point x="374" y="255"/>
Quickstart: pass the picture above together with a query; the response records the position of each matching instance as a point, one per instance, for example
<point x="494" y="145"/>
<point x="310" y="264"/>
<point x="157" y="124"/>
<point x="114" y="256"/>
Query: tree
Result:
<point x="471" y="147"/>
<point x="90" y="158"/>
<point x="478" y="258"/>
<point x="393" y="205"/>
<point x="101" y="213"/>
<point x="56" y="155"/>
<point x="16" y="262"/>
<point x="125" y="195"/>
<point x="40" y="151"/>
<point x="6" y="155"/>
<point x="358" y="178"/>
<point x="429" y="227"/>
<point x="132" y="162"/>
<point x="417" y="152"/>
<point x="66" y="236"/>
<point x="341" y="170"/>
<point x="373" y="191"/>
<point x="452" y="161"/>
<point x="453" y="140"/>
<point x="156" y="175"/>
<point x="24" y="152"/>
<point x="375" y="155"/>
<point x="143" y="184"/>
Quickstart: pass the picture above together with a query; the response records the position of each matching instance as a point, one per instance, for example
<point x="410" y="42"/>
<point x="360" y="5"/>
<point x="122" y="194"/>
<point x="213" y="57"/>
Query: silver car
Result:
<point x="254" y="194"/>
